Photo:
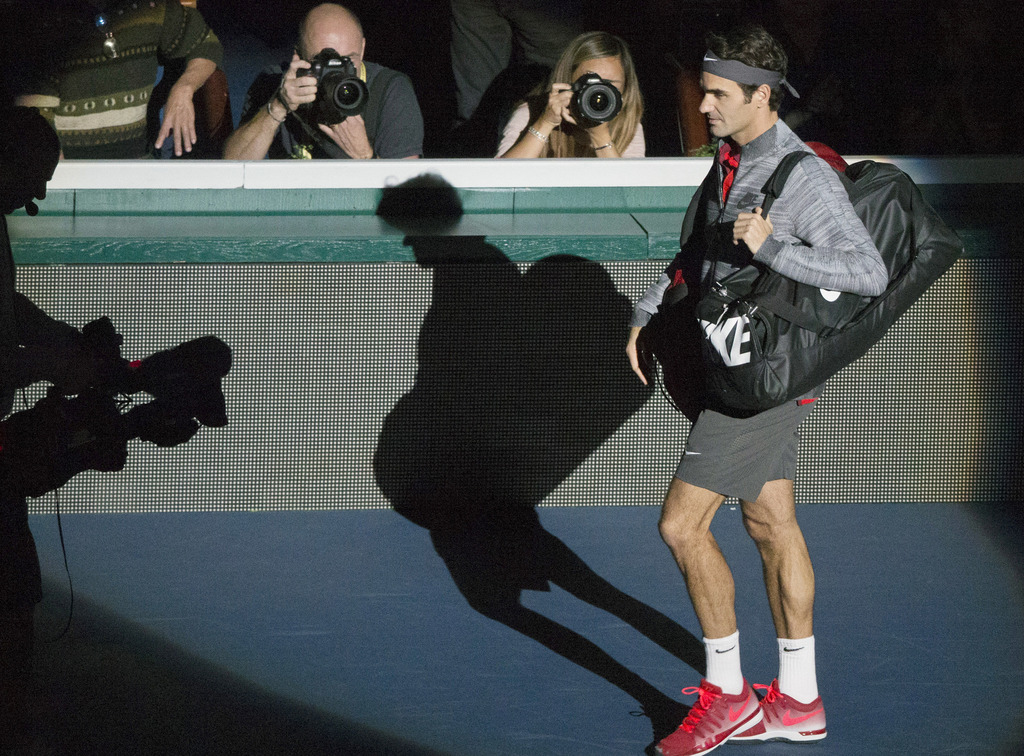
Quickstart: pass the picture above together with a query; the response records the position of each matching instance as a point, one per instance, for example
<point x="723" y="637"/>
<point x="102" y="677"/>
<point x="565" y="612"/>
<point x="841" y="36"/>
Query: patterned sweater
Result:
<point x="817" y="238"/>
<point x="98" y="104"/>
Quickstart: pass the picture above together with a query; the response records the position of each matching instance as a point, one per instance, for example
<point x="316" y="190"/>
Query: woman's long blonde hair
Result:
<point x="588" y="46"/>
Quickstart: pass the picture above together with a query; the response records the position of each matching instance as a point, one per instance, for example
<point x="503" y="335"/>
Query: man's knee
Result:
<point x="772" y="517"/>
<point x="768" y="530"/>
<point x="686" y="515"/>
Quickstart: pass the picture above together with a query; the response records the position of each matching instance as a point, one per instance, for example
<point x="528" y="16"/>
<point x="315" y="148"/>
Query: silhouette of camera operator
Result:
<point x="79" y="424"/>
<point x="516" y="386"/>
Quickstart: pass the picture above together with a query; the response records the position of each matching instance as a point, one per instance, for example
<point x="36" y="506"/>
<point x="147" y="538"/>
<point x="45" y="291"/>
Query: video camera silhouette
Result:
<point x="43" y="447"/>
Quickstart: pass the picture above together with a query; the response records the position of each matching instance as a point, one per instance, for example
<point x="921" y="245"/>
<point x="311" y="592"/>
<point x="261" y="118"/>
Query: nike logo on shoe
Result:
<point x="735" y="714"/>
<point x="789" y="721"/>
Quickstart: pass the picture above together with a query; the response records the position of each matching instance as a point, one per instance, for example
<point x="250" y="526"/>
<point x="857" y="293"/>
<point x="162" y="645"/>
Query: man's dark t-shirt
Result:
<point x="394" y="124"/>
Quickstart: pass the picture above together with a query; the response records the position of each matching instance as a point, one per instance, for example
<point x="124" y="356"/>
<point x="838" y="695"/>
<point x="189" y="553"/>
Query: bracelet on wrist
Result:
<point x="541" y="137"/>
<point x="271" y="113"/>
<point x="603" y="147"/>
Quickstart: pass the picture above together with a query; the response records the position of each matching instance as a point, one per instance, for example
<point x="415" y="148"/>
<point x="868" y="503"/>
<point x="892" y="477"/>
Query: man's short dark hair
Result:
<point x="753" y="45"/>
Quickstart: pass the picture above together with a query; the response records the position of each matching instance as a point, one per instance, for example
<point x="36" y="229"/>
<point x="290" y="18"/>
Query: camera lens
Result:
<point x="347" y="94"/>
<point x="596" y="100"/>
<point x="601" y="103"/>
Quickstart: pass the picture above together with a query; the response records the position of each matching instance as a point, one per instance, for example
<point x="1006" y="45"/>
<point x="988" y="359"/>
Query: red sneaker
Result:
<point x="785" y="718"/>
<point x="713" y="720"/>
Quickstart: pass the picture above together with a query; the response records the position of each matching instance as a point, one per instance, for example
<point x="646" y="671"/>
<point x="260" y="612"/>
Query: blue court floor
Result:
<point x="344" y="633"/>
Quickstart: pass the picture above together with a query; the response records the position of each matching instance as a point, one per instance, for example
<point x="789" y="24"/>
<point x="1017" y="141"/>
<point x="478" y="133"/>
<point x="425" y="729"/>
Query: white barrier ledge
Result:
<point x="469" y="174"/>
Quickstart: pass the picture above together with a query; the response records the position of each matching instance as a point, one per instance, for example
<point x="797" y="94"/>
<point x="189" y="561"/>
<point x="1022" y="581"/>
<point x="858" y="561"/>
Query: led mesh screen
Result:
<point x="521" y="387"/>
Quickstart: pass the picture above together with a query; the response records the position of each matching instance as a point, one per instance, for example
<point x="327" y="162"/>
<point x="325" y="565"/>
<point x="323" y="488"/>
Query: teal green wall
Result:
<point x="340" y="225"/>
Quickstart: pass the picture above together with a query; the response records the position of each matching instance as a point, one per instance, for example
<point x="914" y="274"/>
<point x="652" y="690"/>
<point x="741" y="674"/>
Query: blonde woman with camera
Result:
<point x="554" y="122"/>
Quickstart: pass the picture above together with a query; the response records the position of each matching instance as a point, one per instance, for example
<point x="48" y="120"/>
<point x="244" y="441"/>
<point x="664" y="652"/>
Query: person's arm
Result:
<point x="36" y="327"/>
<point x="350" y="135"/>
<point x="631" y="353"/>
<point x="648" y="304"/>
<point x="514" y="128"/>
<point x="179" y="111"/>
<point x="48" y="350"/>
<point x="186" y="37"/>
<point x="533" y="142"/>
<point x="643" y="311"/>
<point x="253" y="138"/>
<point x="831" y="248"/>
<point x="601" y="140"/>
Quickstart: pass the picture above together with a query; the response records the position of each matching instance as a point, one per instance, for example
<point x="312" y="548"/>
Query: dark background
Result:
<point x="914" y="77"/>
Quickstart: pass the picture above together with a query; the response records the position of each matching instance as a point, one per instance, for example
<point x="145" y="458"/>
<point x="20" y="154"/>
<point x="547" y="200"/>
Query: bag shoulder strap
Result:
<point x="772" y="189"/>
<point x="783" y="309"/>
<point x="777" y="181"/>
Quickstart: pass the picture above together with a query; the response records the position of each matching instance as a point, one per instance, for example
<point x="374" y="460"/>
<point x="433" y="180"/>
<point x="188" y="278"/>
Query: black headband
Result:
<point x="741" y="73"/>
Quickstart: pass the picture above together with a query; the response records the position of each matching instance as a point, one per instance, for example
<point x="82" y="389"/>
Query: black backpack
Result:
<point x="799" y="335"/>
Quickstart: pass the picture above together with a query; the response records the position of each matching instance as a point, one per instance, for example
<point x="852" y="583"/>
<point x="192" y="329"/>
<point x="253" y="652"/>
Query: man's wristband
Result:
<point x="271" y="113"/>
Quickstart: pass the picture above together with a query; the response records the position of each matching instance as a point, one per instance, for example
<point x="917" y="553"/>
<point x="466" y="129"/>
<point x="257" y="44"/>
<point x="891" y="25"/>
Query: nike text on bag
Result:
<point x="770" y="339"/>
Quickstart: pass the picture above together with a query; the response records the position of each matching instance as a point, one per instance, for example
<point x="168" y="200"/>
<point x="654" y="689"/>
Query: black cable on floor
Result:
<point x="67" y="570"/>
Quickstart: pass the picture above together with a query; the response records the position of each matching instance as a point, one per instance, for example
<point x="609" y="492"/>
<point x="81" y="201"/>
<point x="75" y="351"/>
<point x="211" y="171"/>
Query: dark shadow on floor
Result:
<point x="522" y="375"/>
<point x="112" y="687"/>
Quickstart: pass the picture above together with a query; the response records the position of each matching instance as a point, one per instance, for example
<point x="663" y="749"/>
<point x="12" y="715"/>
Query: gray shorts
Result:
<point x="737" y="456"/>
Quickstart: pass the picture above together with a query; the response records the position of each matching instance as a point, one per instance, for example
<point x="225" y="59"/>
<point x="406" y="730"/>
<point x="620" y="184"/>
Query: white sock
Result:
<point x="797" y="676"/>
<point x="723" y="658"/>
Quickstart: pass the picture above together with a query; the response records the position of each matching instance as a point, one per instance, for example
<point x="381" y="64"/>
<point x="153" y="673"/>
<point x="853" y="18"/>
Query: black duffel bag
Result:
<point x="769" y="339"/>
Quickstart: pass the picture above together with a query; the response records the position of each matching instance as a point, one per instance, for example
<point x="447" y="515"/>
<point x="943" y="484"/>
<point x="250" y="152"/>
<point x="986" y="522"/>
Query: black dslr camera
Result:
<point x="340" y="92"/>
<point x="594" y="100"/>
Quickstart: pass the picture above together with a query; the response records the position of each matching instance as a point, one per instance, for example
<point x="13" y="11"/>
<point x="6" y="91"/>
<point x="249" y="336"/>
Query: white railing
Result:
<point x="469" y="174"/>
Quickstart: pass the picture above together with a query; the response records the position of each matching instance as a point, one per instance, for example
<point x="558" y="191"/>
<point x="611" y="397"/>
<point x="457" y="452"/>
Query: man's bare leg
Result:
<point x="686" y="528"/>
<point x="788" y="574"/>
<point x="726" y="703"/>
<point x="789" y="579"/>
